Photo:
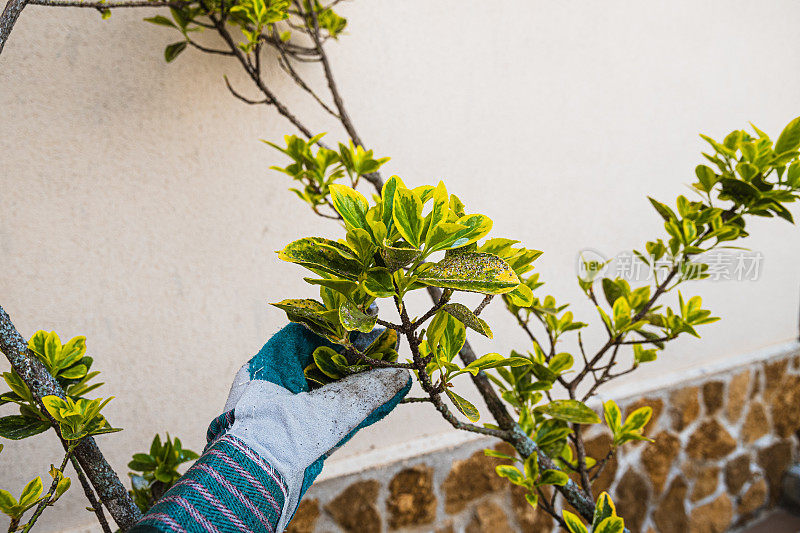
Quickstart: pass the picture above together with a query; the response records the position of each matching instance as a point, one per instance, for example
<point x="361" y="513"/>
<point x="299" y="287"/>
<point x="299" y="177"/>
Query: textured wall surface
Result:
<point x="127" y="215"/>
<point x="722" y="443"/>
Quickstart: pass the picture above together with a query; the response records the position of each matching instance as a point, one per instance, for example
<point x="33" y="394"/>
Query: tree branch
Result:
<point x="312" y="23"/>
<point x="110" y="5"/>
<point x="102" y="477"/>
<point x="87" y="490"/>
<point x="255" y="75"/>
<point x="243" y="98"/>
<point x="9" y="18"/>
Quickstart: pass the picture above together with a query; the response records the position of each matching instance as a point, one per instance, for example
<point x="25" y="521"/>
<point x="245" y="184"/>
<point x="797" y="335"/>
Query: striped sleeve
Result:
<point x="229" y="489"/>
<point x="218" y="426"/>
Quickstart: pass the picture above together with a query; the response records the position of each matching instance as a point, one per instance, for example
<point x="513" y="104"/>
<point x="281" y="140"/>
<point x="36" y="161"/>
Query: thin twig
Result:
<point x="243" y="98"/>
<point x="483" y="304"/>
<point x="312" y="23"/>
<point x="384" y="323"/>
<point x="416" y="400"/>
<point x="285" y="63"/>
<point x="577" y="439"/>
<point x="445" y="296"/>
<point x="255" y="76"/>
<point x="46" y="500"/>
<point x="210" y="50"/>
<point x="93" y="503"/>
<point x="524" y="325"/>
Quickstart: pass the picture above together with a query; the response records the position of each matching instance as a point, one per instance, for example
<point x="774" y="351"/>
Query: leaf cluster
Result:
<point x="316" y="168"/>
<point x="67" y="363"/>
<point x="158" y="469"/>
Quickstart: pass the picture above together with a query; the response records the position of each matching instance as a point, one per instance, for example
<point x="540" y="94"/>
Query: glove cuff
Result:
<point x="219" y="426"/>
<point x="230" y="488"/>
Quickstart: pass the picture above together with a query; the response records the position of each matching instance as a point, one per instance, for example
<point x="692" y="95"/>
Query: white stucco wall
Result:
<point x="136" y="206"/>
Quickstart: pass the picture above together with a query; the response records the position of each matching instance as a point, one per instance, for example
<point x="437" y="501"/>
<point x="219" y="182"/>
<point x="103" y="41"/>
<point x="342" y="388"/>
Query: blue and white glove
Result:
<point x="268" y="446"/>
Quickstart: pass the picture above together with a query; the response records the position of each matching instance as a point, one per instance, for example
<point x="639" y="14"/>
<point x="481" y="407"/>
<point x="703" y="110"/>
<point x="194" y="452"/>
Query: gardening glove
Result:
<point x="268" y="446"/>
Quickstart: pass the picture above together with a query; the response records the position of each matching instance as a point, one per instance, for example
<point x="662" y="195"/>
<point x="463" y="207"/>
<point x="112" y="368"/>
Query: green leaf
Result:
<point x="622" y="313"/>
<point x="324" y="359"/>
<point x="353" y="318"/>
<point x="399" y="255"/>
<point x="76" y="372"/>
<point x="448" y="235"/>
<point x="313" y="315"/>
<point x="612" y="291"/>
<point x="19" y="387"/>
<point x="63" y="485"/>
<point x="31" y="492"/>
<point x="553" y="477"/>
<point x="613" y="524"/>
<point x="603" y="509"/>
<point x="570" y="411"/>
<point x="521" y="296"/>
<point x="706" y="176"/>
<point x="407" y="215"/>
<point x="473" y="272"/>
<point x="574" y="523"/>
<point x="302" y="307"/>
<point x="36" y="343"/>
<point x="8" y="503"/>
<point x="637" y="420"/>
<point x="173" y="50"/>
<point x="387" y="197"/>
<point x="377" y="282"/>
<point x="317" y="253"/>
<point x="640" y="355"/>
<point x="462" y="313"/>
<point x="351" y="204"/>
<point x="612" y="415"/>
<point x="494" y="360"/>
<point x="466" y="408"/>
<point x="17" y="427"/>
<point x="561" y="362"/>
<point x="499" y="455"/>
<point x="72" y="352"/>
<point x="531" y="467"/>
<point x="665" y="212"/>
<point x="385" y="342"/>
<point x="789" y="138"/>
<point x="52" y="351"/>
<point x="511" y="473"/>
<point x="739" y="191"/>
<point x="441" y="202"/>
<point x="532" y="499"/>
<point x="161" y="21"/>
<point x="342" y="286"/>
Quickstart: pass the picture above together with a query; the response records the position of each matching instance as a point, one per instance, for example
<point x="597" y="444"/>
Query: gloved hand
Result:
<point x="268" y="446"/>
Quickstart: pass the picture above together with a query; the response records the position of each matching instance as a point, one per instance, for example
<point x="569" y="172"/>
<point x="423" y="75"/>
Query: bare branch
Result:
<point x="87" y="490"/>
<point x="243" y="98"/>
<point x="9" y="18"/>
<point x="415" y="400"/>
<point x="255" y="75"/>
<point x="110" y="5"/>
<point x="312" y="23"/>
<point x="481" y="306"/>
<point x="210" y="50"/>
<point x="285" y="63"/>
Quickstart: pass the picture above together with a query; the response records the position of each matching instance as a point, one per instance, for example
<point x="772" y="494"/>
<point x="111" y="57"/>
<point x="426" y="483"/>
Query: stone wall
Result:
<point x="722" y="443"/>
